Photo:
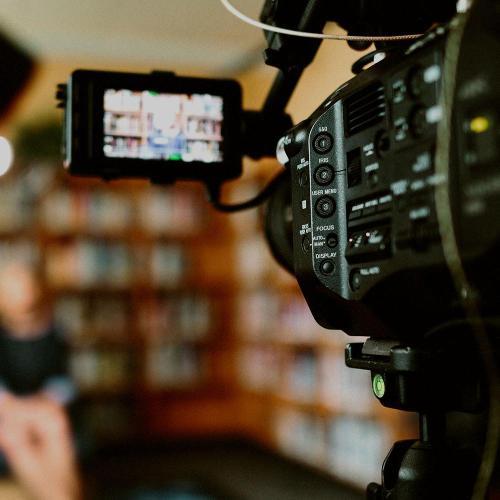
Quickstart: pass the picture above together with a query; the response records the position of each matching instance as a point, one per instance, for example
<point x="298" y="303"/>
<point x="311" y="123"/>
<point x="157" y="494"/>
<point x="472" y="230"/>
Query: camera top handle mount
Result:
<point x="291" y="55"/>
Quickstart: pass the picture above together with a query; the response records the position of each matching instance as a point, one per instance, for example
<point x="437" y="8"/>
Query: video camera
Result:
<point x="393" y="185"/>
<point x="366" y="235"/>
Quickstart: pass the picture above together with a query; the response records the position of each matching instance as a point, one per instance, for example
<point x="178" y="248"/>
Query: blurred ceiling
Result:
<point x="170" y="34"/>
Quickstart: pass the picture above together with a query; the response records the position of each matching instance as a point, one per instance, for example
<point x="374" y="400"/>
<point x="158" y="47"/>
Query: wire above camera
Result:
<point x="322" y="36"/>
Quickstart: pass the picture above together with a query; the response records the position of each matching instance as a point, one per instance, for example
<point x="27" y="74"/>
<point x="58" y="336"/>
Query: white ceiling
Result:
<point x="171" y="34"/>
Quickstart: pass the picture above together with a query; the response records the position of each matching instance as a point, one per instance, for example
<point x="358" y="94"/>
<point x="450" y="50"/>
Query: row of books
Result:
<point x="259" y="369"/>
<point x="31" y="201"/>
<point x="87" y="318"/>
<point x="173" y="318"/>
<point x="177" y="318"/>
<point x="85" y="263"/>
<point x="306" y="377"/>
<point x="164" y="367"/>
<point x="98" y="370"/>
<point x="271" y="315"/>
<point x="65" y="211"/>
<point x="350" y="447"/>
<point x="155" y="211"/>
<point x="165" y="105"/>
<point x="15" y="213"/>
<point x="19" y="197"/>
<point x="19" y="249"/>
<point x="146" y="126"/>
<point x="174" y="366"/>
<point x="253" y="261"/>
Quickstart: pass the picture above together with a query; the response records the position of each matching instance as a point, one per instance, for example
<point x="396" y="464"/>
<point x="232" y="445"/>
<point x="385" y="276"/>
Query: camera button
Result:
<point x="327" y="267"/>
<point x="323" y="143"/>
<point x="324" y="174"/>
<point x="332" y="240"/>
<point x="325" y="206"/>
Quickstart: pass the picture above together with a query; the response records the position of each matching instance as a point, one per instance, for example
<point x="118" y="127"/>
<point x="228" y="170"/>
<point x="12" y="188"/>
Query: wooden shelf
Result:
<point x="105" y="393"/>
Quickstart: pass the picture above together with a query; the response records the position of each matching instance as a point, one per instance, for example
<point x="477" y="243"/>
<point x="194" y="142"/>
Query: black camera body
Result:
<point x="157" y="126"/>
<point x="368" y="251"/>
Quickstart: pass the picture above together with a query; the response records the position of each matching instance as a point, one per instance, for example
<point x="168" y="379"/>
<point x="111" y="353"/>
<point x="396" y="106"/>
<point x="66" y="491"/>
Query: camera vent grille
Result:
<point x="365" y="108"/>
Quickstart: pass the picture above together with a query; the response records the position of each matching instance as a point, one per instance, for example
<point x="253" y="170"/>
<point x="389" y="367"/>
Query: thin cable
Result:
<point x="307" y="34"/>
<point x="214" y="197"/>
<point x="455" y="264"/>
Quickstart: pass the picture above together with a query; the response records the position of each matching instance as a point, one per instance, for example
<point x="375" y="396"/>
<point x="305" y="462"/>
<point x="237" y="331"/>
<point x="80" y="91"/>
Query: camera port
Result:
<point x="306" y="244"/>
<point x="382" y="143"/>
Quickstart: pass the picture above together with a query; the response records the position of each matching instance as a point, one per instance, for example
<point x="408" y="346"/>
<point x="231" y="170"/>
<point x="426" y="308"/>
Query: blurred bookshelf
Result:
<point x="132" y="272"/>
<point x="181" y="324"/>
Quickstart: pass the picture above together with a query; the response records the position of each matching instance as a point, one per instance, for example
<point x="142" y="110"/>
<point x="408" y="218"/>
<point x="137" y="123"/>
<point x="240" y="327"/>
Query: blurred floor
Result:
<point x="235" y="471"/>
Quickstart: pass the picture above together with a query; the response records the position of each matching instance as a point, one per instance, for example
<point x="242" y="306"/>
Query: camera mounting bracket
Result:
<point x="441" y="374"/>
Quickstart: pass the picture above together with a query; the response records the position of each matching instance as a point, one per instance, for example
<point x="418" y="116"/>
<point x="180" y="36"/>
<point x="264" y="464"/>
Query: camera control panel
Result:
<point x="364" y="178"/>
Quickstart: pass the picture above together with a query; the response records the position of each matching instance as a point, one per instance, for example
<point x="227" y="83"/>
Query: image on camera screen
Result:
<point x="148" y="125"/>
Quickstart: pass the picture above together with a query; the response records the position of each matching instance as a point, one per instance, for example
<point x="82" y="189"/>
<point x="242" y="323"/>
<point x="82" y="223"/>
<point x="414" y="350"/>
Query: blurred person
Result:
<point x="34" y="379"/>
<point x="33" y="355"/>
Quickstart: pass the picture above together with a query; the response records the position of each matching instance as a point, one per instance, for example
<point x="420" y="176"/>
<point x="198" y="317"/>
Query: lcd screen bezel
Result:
<point x="88" y="88"/>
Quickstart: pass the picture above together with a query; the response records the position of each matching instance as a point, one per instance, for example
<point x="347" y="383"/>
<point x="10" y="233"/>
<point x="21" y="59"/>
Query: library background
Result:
<point x="189" y="345"/>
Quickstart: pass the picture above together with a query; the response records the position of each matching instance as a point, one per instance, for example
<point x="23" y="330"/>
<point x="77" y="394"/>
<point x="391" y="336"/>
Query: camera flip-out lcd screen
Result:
<point x="149" y="125"/>
<point x="156" y="126"/>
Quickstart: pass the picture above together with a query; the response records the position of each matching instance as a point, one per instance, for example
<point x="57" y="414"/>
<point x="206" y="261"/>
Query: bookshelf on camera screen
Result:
<point x="148" y="125"/>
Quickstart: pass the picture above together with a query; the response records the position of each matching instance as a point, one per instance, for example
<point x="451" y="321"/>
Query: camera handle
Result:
<point x="431" y="378"/>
